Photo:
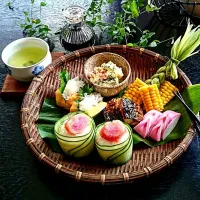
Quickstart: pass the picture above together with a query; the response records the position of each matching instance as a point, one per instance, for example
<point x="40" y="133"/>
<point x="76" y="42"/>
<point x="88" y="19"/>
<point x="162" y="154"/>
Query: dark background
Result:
<point x="23" y="177"/>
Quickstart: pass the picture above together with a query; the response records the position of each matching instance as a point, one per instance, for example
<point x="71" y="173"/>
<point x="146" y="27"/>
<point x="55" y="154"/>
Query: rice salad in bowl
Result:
<point x="108" y="74"/>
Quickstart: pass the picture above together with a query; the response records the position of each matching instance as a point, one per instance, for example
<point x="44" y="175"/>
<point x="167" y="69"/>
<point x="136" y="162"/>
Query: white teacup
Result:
<point x="26" y="73"/>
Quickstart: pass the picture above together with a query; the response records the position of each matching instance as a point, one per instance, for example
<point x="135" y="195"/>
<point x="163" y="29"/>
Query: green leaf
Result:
<point x="86" y="89"/>
<point x="37" y="21"/>
<point x="130" y="44"/>
<point x="152" y="44"/>
<point x="132" y="23"/>
<point x="28" y="19"/>
<point x="145" y="31"/>
<point x="151" y="8"/>
<point x="128" y="29"/>
<point x="43" y="3"/>
<point x="148" y="35"/>
<point x="64" y="78"/>
<point x="50" y="112"/>
<point x="9" y="4"/>
<point x="143" y="43"/>
<point x="32" y="1"/>
<point x="122" y="31"/>
<point x="110" y="1"/>
<point x="49" y="115"/>
<point x="134" y="9"/>
<point x="140" y="4"/>
<point x="191" y="96"/>
<point x="25" y="13"/>
<point x="31" y="33"/>
<point x="46" y="132"/>
<point x="135" y="45"/>
<point x="99" y="17"/>
<point x="22" y="25"/>
<point x="28" y="27"/>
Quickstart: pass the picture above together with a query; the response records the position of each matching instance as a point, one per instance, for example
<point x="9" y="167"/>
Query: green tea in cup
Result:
<point x="27" y="56"/>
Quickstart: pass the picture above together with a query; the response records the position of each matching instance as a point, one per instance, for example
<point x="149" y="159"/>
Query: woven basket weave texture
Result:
<point x="145" y="161"/>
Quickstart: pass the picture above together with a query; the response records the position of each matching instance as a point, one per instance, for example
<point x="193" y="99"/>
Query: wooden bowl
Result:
<point x="104" y="57"/>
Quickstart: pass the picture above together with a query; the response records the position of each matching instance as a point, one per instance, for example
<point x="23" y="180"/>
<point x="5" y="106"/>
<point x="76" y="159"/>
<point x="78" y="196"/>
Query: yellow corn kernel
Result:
<point x="132" y="91"/>
<point x="166" y="92"/>
<point x="151" y="97"/>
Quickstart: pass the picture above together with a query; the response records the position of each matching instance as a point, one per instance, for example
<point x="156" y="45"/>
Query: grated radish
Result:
<point x="72" y="87"/>
<point x="89" y="101"/>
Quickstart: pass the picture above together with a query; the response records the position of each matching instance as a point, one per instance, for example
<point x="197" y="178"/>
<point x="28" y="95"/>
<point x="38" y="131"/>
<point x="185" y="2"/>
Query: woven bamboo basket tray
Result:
<point x="145" y="161"/>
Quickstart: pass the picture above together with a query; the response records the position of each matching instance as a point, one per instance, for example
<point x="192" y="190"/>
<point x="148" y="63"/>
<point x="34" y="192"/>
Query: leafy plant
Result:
<point x="33" y="26"/>
<point x="123" y="29"/>
<point x="144" y="40"/>
<point x="94" y="14"/>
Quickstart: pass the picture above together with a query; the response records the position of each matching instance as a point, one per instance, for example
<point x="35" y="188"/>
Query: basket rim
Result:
<point x="102" y="178"/>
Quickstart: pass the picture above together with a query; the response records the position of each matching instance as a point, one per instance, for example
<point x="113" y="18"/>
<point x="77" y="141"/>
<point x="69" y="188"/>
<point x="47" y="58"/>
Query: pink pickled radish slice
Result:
<point x="156" y="132"/>
<point x="157" y="129"/>
<point x="143" y="128"/>
<point x="173" y="120"/>
<point x="152" y="114"/>
<point x="149" y="120"/>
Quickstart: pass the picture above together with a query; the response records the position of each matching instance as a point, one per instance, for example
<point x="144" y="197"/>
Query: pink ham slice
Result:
<point x="148" y="122"/>
<point x="77" y="124"/>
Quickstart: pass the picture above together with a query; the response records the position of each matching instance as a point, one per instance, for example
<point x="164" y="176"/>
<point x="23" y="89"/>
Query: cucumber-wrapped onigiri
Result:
<point x="114" y="142"/>
<point x="75" y="133"/>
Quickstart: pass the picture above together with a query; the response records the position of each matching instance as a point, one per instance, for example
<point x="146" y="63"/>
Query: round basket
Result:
<point x="145" y="161"/>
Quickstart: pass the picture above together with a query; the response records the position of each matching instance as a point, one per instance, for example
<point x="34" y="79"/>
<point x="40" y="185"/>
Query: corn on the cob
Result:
<point x="132" y="91"/>
<point x="166" y="92"/>
<point x="151" y="98"/>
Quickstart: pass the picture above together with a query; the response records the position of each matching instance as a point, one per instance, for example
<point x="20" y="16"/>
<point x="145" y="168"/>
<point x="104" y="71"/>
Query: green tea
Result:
<point x="27" y="56"/>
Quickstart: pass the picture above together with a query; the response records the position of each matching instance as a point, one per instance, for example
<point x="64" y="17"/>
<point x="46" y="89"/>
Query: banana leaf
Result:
<point x="50" y="113"/>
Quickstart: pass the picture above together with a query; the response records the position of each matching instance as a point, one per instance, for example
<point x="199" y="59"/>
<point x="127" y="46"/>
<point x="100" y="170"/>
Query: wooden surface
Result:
<point x="14" y="89"/>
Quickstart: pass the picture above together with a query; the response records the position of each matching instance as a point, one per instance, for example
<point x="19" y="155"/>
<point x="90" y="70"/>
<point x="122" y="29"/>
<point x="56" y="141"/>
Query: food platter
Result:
<point x="145" y="161"/>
